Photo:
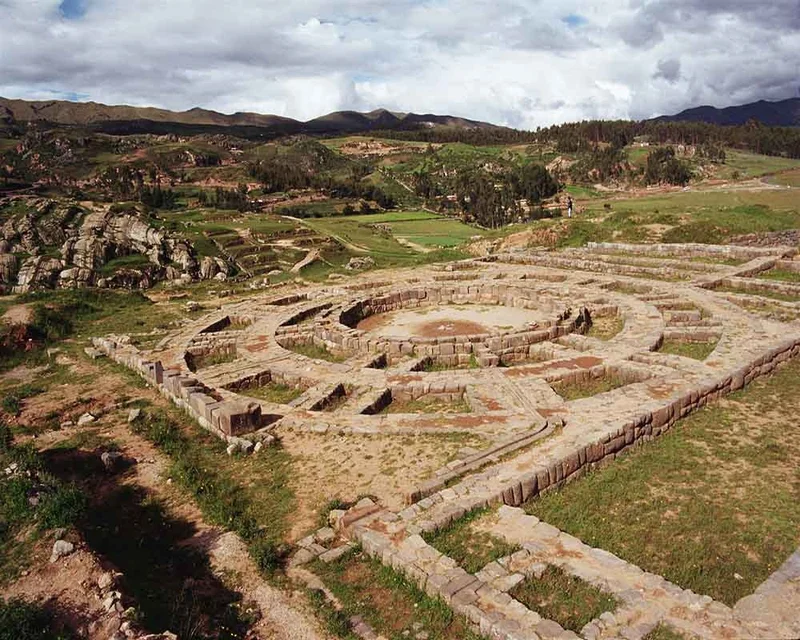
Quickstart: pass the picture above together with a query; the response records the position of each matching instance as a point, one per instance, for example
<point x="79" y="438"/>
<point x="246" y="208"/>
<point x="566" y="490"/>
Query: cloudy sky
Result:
<point x="523" y="63"/>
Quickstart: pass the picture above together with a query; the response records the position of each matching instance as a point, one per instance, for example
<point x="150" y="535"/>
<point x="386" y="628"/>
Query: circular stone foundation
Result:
<point x="451" y="320"/>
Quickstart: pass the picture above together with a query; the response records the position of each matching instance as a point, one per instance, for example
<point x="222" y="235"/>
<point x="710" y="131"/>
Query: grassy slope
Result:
<point x="713" y="506"/>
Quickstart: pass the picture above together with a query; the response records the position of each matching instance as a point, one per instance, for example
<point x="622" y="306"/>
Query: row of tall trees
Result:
<point x="583" y="136"/>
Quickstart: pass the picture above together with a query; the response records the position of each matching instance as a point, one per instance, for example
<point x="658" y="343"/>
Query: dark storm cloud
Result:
<point x="669" y="70"/>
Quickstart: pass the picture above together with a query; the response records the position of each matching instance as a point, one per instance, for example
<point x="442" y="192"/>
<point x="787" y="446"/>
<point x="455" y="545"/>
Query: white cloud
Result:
<point x="518" y="62"/>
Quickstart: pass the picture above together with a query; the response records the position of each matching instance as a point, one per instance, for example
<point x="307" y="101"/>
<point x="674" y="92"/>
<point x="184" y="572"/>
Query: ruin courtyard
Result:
<point x="495" y="381"/>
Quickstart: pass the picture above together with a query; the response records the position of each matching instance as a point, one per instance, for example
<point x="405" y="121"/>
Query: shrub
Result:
<point x="6" y="438"/>
<point x="22" y="621"/>
<point x="62" y="508"/>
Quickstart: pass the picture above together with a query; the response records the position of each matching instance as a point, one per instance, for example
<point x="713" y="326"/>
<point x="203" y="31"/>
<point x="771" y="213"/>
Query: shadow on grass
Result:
<point x="171" y="582"/>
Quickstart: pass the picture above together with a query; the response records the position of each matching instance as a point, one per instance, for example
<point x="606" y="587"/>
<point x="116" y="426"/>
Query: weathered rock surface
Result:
<point x="87" y="241"/>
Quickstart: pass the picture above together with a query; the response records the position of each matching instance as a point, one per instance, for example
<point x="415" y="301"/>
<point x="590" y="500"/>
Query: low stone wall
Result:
<point x="756" y="286"/>
<point x="645" y="427"/>
<point x="695" y="250"/>
<point x="225" y="418"/>
<point x="268" y="376"/>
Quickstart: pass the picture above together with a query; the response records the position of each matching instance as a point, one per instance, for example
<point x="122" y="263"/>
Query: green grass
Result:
<point x="663" y="632"/>
<point x="211" y="360"/>
<point x="428" y="405"/>
<point x="473" y="550"/>
<point x="20" y="620"/>
<point x="432" y="366"/>
<point x="781" y="275"/>
<point x="606" y="327"/>
<point x="718" y="495"/>
<point x="359" y="234"/>
<point x="274" y="392"/>
<point x="763" y="293"/>
<point x="316" y="352"/>
<point x="12" y="401"/>
<point x="22" y="523"/>
<point x="697" y="216"/>
<point x="751" y="165"/>
<point x="223" y="487"/>
<point x="695" y="350"/>
<point x="67" y="313"/>
<point x="563" y="598"/>
<point x="390" y="603"/>
<point x="587" y="388"/>
<point x="133" y="261"/>
<point x="583" y="193"/>
<point x="786" y="179"/>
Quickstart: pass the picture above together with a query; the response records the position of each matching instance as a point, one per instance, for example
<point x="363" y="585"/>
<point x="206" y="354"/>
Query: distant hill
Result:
<point x="126" y="120"/>
<point x="785" y="113"/>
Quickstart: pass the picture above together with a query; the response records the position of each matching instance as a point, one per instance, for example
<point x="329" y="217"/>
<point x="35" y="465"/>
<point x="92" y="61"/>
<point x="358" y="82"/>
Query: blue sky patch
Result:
<point x="574" y="20"/>
<point x="72" y="9"/>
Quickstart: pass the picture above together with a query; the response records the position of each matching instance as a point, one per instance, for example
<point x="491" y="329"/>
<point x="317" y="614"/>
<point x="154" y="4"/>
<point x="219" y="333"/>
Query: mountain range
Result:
<point x="785" y="113"/>
<point x="125" y="119"/>
<point x="122" y="120"/>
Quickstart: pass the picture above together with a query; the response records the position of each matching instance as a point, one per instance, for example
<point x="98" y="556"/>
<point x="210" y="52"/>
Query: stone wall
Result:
<point x="224" y="418"/>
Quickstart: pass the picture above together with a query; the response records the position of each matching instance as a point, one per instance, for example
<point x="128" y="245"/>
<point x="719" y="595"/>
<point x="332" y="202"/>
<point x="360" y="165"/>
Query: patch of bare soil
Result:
<point x="18" y="314"/>
<point x="68" y="588"/>
<point x="345" y="467"/>
<point x="436" y="329"/>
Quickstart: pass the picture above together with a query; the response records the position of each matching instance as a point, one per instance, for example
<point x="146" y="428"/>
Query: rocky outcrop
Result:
<point x="211" y="268"/>
<point x="88" y="242"/>
<point x="8" y="271"/>
<point x="38" y="272"/>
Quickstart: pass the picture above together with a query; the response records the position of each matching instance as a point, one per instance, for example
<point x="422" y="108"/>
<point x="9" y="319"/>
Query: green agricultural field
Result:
<point x="751" y="165"/>
<point x="687" y="216"/>
<point x="786" y="178"/>
<point x="370" y="233"/>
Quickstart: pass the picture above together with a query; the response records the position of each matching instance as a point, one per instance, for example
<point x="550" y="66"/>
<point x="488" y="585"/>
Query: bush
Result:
<point x="11" y="404"/>
<point x="6" y="438"/>
<point x="52" y="324"/>
<point x="268" y="555"/>
<point x="62" y="508"/>
<point x="22" y="621"/>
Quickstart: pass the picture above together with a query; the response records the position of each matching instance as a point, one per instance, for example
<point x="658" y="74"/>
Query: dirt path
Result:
<point x="18" y="314"/>
<point x="284" y="615"/>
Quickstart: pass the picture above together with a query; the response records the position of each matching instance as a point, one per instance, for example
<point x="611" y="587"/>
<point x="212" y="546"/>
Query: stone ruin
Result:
<point x="514" y="334"/>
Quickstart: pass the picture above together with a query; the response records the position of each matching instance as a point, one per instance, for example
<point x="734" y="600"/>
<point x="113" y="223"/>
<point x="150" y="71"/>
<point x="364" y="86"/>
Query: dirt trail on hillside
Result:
<point x="284" y="615"/>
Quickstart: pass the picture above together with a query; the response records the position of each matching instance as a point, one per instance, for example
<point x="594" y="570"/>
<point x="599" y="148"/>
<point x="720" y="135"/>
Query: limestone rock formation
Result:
<point x="87" y="241"/>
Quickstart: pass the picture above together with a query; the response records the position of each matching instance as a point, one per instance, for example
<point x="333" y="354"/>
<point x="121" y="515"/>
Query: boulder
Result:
<point x="61" y="549"/>
<point x="360" y="263"/>
<point x="112" y="460"/>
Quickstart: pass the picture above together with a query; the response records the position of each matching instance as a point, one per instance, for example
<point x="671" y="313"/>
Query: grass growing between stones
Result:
<point x="606" y="327"/>
<point x="392" y="605"/>
<point x="427" y="405"/>
<point x="565" y="599"/>
<point x="695" y="350"/>
<point x="274" y="392"/>
<point x="781" y="275"/>
<point x="713" y="506"/>
<point x="211" y="359"/>
<point x="784" y="297"/>
<point x="472" y="549"/>
<point x="663" y="632"/>
<point x="316" y="353"/>
<point x="587" y="388"/>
